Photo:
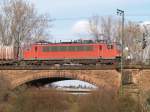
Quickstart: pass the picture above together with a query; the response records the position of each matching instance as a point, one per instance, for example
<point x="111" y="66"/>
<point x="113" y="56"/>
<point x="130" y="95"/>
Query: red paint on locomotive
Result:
<point x="71" y="51"/>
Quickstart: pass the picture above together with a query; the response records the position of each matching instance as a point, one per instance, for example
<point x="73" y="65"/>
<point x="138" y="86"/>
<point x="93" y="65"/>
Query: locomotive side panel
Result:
<point x="82" y="53"/>
<point x="30" y="54"/>
<point x="63" y="51"/>
<point x="109" y="51"/>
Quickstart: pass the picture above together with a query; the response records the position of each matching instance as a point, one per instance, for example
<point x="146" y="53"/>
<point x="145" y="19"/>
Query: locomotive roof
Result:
<point x="59" y="44"/>
<point x="79" y="42"/>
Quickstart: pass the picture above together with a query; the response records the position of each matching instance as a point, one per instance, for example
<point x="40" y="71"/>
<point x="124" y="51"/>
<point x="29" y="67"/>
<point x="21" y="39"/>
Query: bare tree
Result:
<point x="94" y="27"/>
<point x="20" y="23"/>
<point x="133" y="35"/>
<point x="103" y="28"/>
<point x="133" y="40"/>
<point x="146" y="42"/>
<point x="110" y="29"/>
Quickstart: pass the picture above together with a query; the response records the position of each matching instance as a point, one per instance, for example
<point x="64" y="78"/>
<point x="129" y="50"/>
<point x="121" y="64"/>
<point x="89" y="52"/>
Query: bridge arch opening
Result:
<point x="46" y="81"/>
<point x="41" y="82"/>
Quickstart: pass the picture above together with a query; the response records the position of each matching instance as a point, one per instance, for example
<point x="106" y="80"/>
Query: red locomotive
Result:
<point x="83" y="53"/>
<point x="70" y="52"/>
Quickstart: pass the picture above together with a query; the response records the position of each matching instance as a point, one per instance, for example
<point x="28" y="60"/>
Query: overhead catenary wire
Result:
<point x="88" y="17"/>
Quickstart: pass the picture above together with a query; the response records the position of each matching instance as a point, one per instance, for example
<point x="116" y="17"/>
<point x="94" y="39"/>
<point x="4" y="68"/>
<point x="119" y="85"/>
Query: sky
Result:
<point x="71" y="16"/>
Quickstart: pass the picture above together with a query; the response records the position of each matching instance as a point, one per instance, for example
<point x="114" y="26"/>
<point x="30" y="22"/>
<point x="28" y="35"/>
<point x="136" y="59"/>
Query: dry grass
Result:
<point x="39" y="100"/>
<point x="108" y="101"/>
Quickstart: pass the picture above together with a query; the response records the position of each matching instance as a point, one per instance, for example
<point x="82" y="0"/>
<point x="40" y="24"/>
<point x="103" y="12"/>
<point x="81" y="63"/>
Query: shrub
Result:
<point x="100" y="101"/>
<point x="50" y="101"/>
<point x="108" y="101"/>
<point x="128" y="104"/>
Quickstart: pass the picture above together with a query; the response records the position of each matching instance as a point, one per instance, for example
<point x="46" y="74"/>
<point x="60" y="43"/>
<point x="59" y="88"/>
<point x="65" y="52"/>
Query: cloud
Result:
<point x="145" y="23"/>
<point x="81" y="27"/>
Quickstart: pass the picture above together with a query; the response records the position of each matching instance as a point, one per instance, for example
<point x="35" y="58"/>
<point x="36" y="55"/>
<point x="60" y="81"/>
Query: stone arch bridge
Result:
<point x="101" y="77"/>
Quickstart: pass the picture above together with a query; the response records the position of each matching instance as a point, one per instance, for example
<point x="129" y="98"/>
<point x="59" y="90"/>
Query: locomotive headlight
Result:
<point x="126" y="48"/>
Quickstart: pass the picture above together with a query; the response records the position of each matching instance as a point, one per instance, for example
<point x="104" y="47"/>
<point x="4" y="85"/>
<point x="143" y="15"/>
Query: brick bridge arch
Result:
<point x="108" y="78"/>
<point x="100" y="78"/>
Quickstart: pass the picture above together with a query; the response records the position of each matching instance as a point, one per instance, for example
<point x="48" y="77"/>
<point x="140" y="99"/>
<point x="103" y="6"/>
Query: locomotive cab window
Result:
<point x="110" y="46"/>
